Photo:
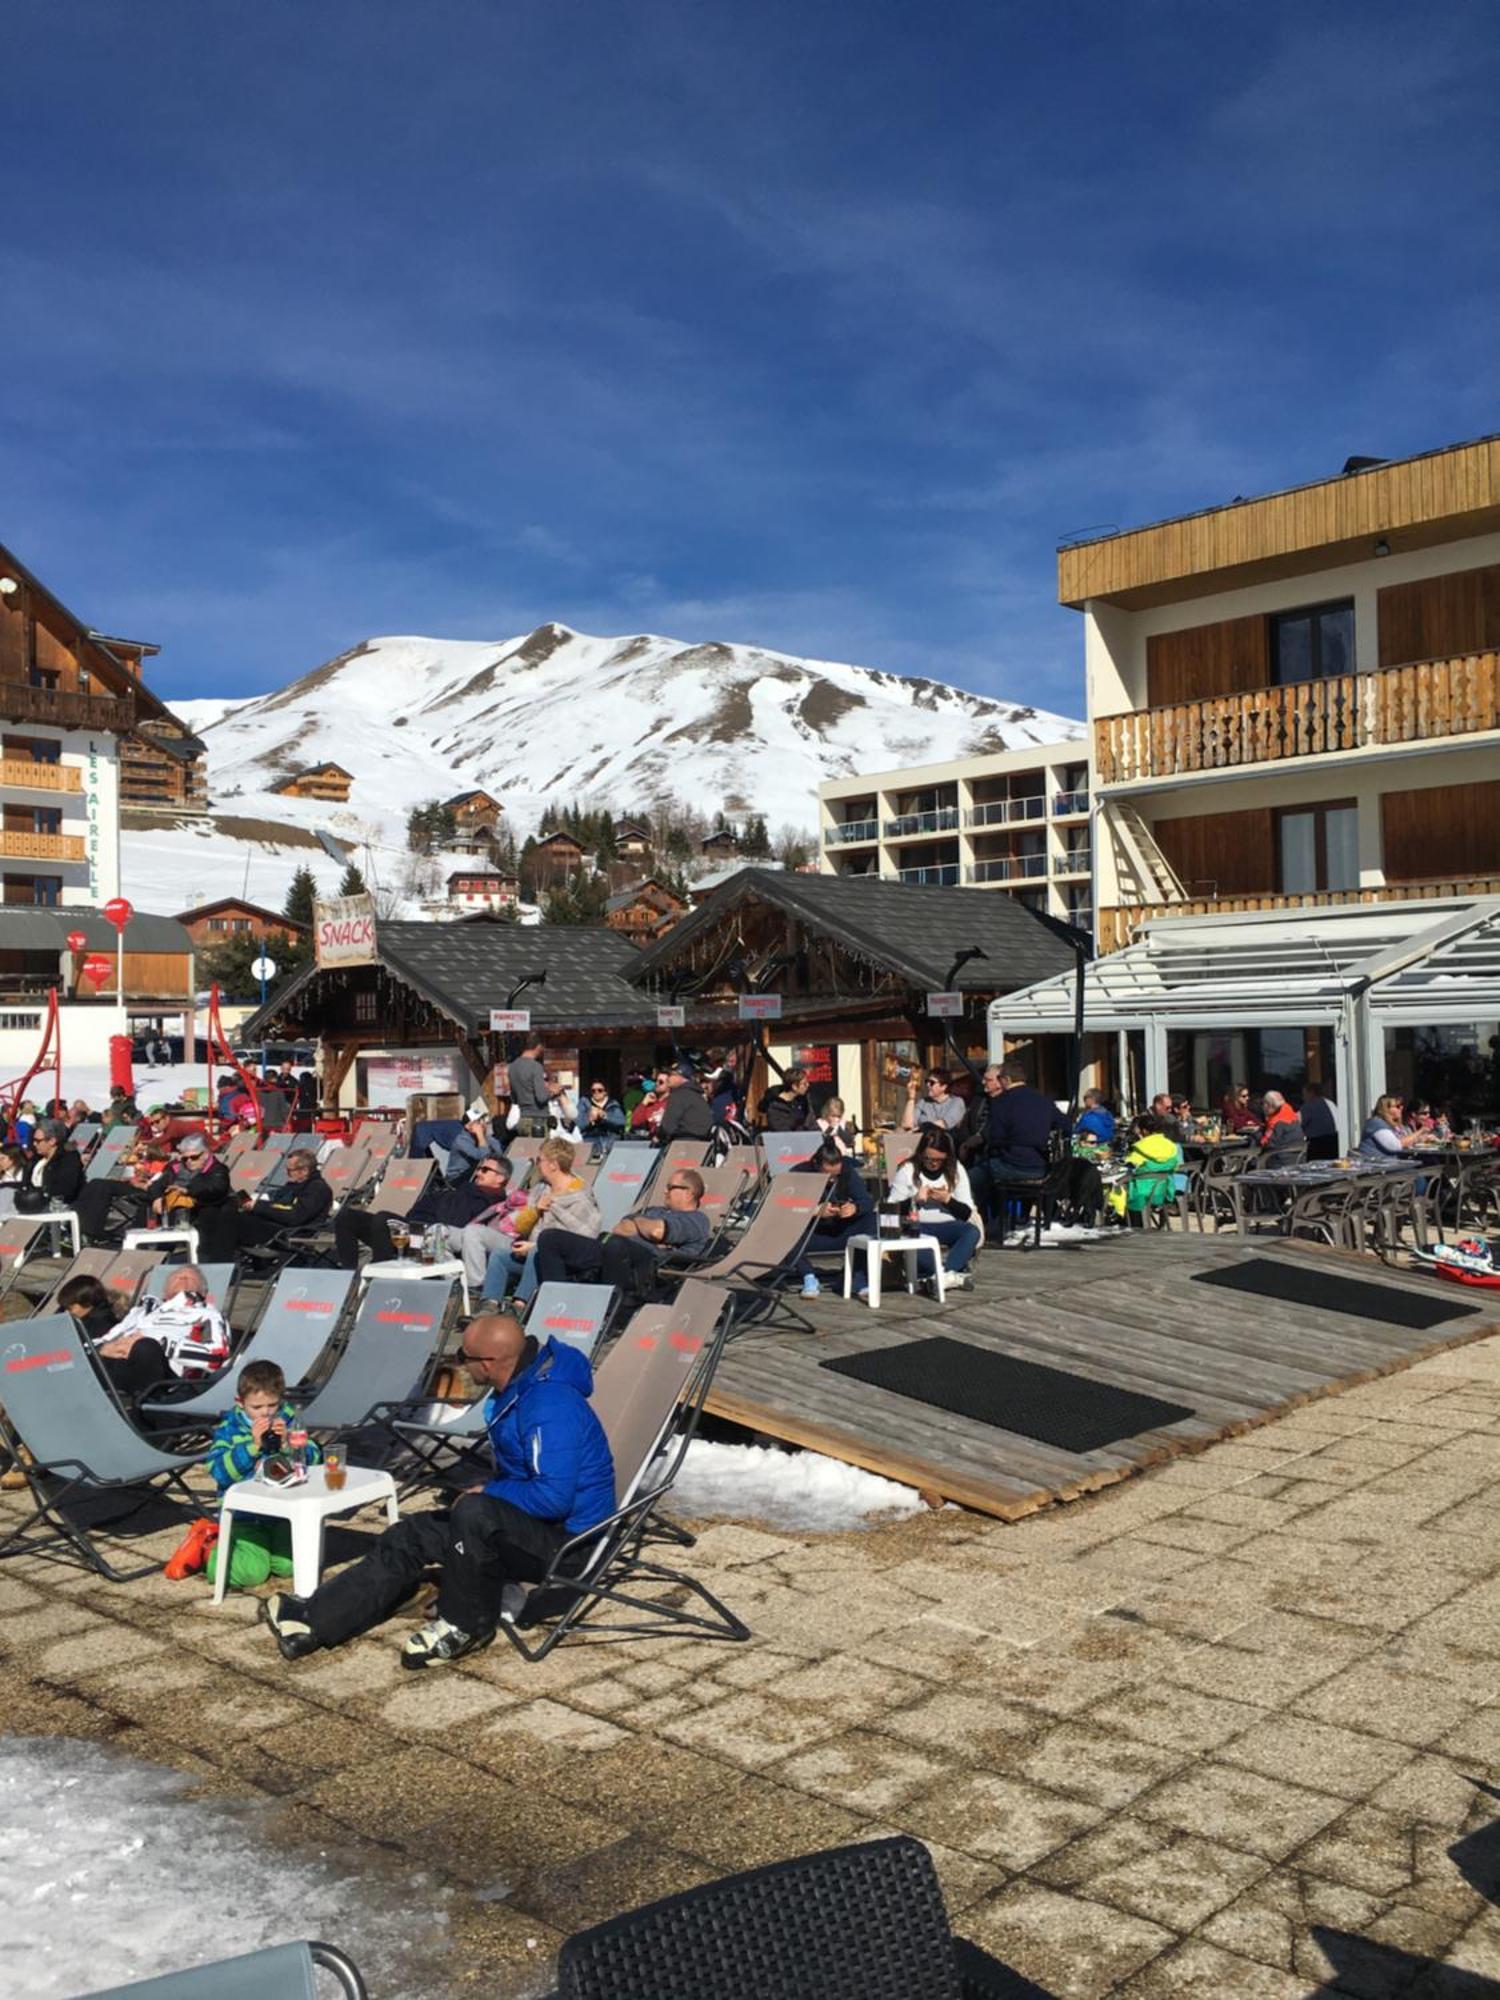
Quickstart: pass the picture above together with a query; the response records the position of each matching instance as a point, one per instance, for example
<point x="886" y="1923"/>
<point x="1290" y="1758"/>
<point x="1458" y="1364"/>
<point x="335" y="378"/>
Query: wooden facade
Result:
<point x="163" y="767"/>
<point x="1232" y="656"/>
<point x="1221" y="854"/>
<point x="1435" y="617"/>
<point x="329" y="782"/>
<point x="1405" y="704"/>
<point x="1119" y="923"/>
<point x="1409" y="504"/>
<point x="215" y="923"/>
<point x="1457" y="826"/>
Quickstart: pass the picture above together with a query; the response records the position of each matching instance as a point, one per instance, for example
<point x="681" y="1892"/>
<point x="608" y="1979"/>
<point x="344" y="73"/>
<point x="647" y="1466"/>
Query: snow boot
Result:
<point x="438" y="1644"/>
<point x="287" y="1617"/>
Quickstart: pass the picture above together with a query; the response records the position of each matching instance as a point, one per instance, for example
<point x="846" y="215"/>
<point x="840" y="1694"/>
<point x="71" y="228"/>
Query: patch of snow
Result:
<point x="201" y="712"/>
<point x="109" y="1874"/>
<point x="786" y="1489"/>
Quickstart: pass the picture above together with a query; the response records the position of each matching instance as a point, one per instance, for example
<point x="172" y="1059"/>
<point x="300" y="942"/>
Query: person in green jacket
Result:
<point x="1155" y="1161"/>
<point x="256" y="1428"/>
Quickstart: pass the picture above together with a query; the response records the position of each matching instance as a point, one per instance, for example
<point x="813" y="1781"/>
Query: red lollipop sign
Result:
<point x="76" y="941"/>
<point x="97" y="969"/>
<point x="118" y="912"/>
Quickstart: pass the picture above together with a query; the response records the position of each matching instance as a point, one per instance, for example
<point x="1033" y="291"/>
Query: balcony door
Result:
<point x="1313" y="644"/>
<point x="1317" y="848"/>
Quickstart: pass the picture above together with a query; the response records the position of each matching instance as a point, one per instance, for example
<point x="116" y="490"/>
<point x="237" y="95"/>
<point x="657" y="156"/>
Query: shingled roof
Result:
<point x="917" y="931"/>
<point x="466" y="969"/>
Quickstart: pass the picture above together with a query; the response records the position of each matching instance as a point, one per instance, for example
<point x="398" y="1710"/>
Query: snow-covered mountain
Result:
<point x="556" y="715"/>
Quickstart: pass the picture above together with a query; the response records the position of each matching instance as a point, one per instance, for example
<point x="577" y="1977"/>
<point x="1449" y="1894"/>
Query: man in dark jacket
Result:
<point x="1016" y="1135"/>
<point x="554" y="1478"/>
<point x="451" y="1206"/>
<point x="55" y="1177"/>
<point x="301" y="1202"/>
<point x="848" y="1210"/>
<point x="636" y="1246"/>
<point x="687" y="1115"/>
<point x="786" y="1108"/>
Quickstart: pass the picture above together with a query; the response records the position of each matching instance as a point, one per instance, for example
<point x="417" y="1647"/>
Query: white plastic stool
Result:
<point x="68" y="1220"/>
<point x="307" y="1507"/>
<point x="878" y="1247"/>
<point x="412" y="1267"/>
<point x="153" y="1239"/>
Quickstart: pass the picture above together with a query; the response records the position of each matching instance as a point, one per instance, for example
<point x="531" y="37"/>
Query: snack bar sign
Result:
<point x="344" y="931"/>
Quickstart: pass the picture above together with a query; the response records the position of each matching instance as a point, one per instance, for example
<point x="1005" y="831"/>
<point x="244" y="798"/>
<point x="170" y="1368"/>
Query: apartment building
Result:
<point x="1016" y="821"/>
<point x="328" y="782"/>
<point x="1294" y="704"/>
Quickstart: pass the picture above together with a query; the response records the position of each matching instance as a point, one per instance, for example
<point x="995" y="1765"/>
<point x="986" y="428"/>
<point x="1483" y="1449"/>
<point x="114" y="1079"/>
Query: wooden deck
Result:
<point x="1121" y="1311"/>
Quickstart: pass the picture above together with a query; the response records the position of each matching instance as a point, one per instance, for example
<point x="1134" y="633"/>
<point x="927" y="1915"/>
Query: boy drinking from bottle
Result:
<point x="260" y="1426"/>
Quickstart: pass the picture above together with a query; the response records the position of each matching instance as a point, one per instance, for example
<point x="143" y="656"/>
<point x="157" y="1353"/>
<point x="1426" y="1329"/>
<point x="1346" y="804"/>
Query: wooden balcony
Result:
<point x="25" y="774"/>
<point x="1118" y="926"/>
<point x="1411" y="704"/>
<point x="63" y="709"/>
<point x="43" y="846"/>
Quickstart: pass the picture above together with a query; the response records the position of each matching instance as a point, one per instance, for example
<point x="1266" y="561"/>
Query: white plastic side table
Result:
<point x="413" y="1267"/>
<point x="156" y="1239"/>
<point x="307" y="1507"/>
<point x="876" y="1248"/>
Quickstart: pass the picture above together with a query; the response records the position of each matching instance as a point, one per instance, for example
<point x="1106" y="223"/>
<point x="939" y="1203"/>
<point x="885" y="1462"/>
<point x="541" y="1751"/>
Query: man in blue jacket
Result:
<point x="554" y="1478"/>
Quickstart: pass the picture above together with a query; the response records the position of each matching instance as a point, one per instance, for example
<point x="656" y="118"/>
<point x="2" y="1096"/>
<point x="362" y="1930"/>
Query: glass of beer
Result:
<point x="334" y="1471"/>
<point x="401" y="1237"/>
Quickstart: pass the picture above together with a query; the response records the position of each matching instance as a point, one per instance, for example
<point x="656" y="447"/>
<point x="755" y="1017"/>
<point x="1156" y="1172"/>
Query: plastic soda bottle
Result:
<point x="297" y="1441"/>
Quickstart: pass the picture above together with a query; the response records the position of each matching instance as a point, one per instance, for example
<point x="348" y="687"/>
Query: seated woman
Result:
<point x="1383" y="1136"/>
<point x="1155" y="1161"/>
<point x="847" y="1209"/>
<point x="933" y="1188"/>
<point x="836" y="1124"/>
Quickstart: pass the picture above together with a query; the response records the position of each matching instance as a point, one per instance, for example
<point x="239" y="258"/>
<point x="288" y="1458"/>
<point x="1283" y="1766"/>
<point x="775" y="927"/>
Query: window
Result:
<point x="364" y="1009"/>
<point x="42" y="677"/>
<point x="1312" y="644"/>
<point x="1317" y="847"/>
<point x="36" y="891"/>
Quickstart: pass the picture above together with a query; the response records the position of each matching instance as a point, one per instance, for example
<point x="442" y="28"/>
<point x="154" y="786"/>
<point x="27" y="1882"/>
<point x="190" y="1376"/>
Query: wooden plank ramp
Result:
<point x="1121" y="1310"/>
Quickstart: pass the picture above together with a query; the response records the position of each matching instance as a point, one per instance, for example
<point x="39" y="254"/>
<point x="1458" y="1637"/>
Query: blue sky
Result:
<point x="814" y="327"/>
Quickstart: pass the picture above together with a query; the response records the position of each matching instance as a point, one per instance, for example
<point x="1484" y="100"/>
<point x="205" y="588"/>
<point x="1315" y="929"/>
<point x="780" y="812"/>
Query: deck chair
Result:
<point x="299" y="1321"/>
<point x="347" y="1170"/>
<point x="648" y="1394"/>
<point x="621" y="1179"/>
<point x="19" y="1236"/>
<point x="896" y="1148"/>
<point x="575" y="1315"/>
<point x="85" y="1132"/>
<point x="787" y="1150"/>
<point x="846" y="1923"/>
<point x="769" y="1247"/>
<point x="389" y="1352"/>
<point x="122" y="1272"/>
<point x="680" y="1153"/>
<point x="296" y="1142"/>
<point x="240" y="1142"/>
<point x="379" y="1140"/>
<point x="406" y="1181"/>
<point x="522" y="1156"/>
<point x="441" y="1155"/>
<point x="251" y="1168"/>
<point x="286" y="1971"/>
<point x="110" y="1150"/>
<point x="81" y="1446"/>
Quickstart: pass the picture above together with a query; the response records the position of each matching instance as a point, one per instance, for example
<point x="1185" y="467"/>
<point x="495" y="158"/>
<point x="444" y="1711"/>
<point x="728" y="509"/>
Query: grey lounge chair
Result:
<point x="386" y="1362"/>
<point x="648" y="1394"/>
<point x="347" y="1170"/>
<point x="865" y="1922"/>
<point x="405" y="1182"/>
<point x="109" y="1152"/>
<point x="281" y="1972"/>
<point x="251" y="1169"/>
<point x="218" y="1277"/>
<point x="19" y="1235"/>
<point x="297" y="1324"/>
<point x="82" y="1448"/>
<point x="785" y="1151"/>
<point x="621" y="1180"/>
<point x="756" y="1264"/>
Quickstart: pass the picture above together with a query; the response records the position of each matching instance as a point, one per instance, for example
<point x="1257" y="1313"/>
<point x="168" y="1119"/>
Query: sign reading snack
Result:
<point x="760" y="1006"/>
<point x="344" y="931"/>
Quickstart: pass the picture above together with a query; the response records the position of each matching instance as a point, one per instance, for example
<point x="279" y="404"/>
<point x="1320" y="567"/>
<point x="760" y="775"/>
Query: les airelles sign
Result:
<point x="344" y="931"/>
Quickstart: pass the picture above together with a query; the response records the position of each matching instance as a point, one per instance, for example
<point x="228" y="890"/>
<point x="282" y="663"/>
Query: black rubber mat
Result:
<point x="1073" y="1412"/>
<point x="1328" y="1291"/>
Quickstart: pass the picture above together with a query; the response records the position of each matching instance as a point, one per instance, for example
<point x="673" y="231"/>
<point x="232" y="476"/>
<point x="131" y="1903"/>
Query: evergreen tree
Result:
<point x="227" y="965"/>
<point x="579" y="899"/>
<point x="755" y="842"/>
<point x="352" y="883"/>
<point x="300" y="896"/>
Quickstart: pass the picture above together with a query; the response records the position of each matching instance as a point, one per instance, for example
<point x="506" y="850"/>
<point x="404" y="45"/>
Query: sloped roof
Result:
<point x="638" y="890"/>
<point x="466" y="969"/>
<point x="238" y="903"/>
<point x="915" y="930"/>
<point x="34" y="929"/>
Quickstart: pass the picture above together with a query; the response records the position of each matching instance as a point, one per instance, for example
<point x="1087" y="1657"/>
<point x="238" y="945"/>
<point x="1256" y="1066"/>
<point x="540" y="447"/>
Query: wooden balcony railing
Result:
<point x="43" y="846"/>
<point x="1410" y="704"/>
<point x="1118" y="926"/>
<point x="27" y="774"/>
<point x="63" y="709"/>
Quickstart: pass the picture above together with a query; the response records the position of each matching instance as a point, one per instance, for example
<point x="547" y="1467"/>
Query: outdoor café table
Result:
<point x="876" y="1249"/>
<point x="307" y="1506"/>
<point x="1292" y="1181"/>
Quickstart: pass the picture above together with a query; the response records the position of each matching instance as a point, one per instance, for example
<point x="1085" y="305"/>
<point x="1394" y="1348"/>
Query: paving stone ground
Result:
<point x="1226" y="1729"/>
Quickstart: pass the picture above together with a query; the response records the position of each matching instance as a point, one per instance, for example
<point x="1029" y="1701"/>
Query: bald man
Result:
<point x="554" y="1479"/>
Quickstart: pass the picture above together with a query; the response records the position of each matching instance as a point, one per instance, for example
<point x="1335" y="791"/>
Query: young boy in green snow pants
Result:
<point x="259" y="1547"/>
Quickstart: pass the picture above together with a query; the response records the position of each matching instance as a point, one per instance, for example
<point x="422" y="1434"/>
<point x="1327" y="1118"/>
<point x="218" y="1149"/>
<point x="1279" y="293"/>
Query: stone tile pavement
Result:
<point x="1226" y="1729"/>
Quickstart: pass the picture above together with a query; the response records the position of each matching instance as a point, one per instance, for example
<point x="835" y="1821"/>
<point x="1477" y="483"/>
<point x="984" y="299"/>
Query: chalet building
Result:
<point x="644" y="911"/>
<point x="1295" y="713"/>
<point x="329" y="782"/>
<point x="163" y="767"/>
<point x="553" y="859"/>
<point x="633" y="840"/>
<point x="216" y="923"/>
<point x="474" y="810"/>
<point x="70" y="703"/>
<point x="720" y="845"/>
<point x="471" y="889"/>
